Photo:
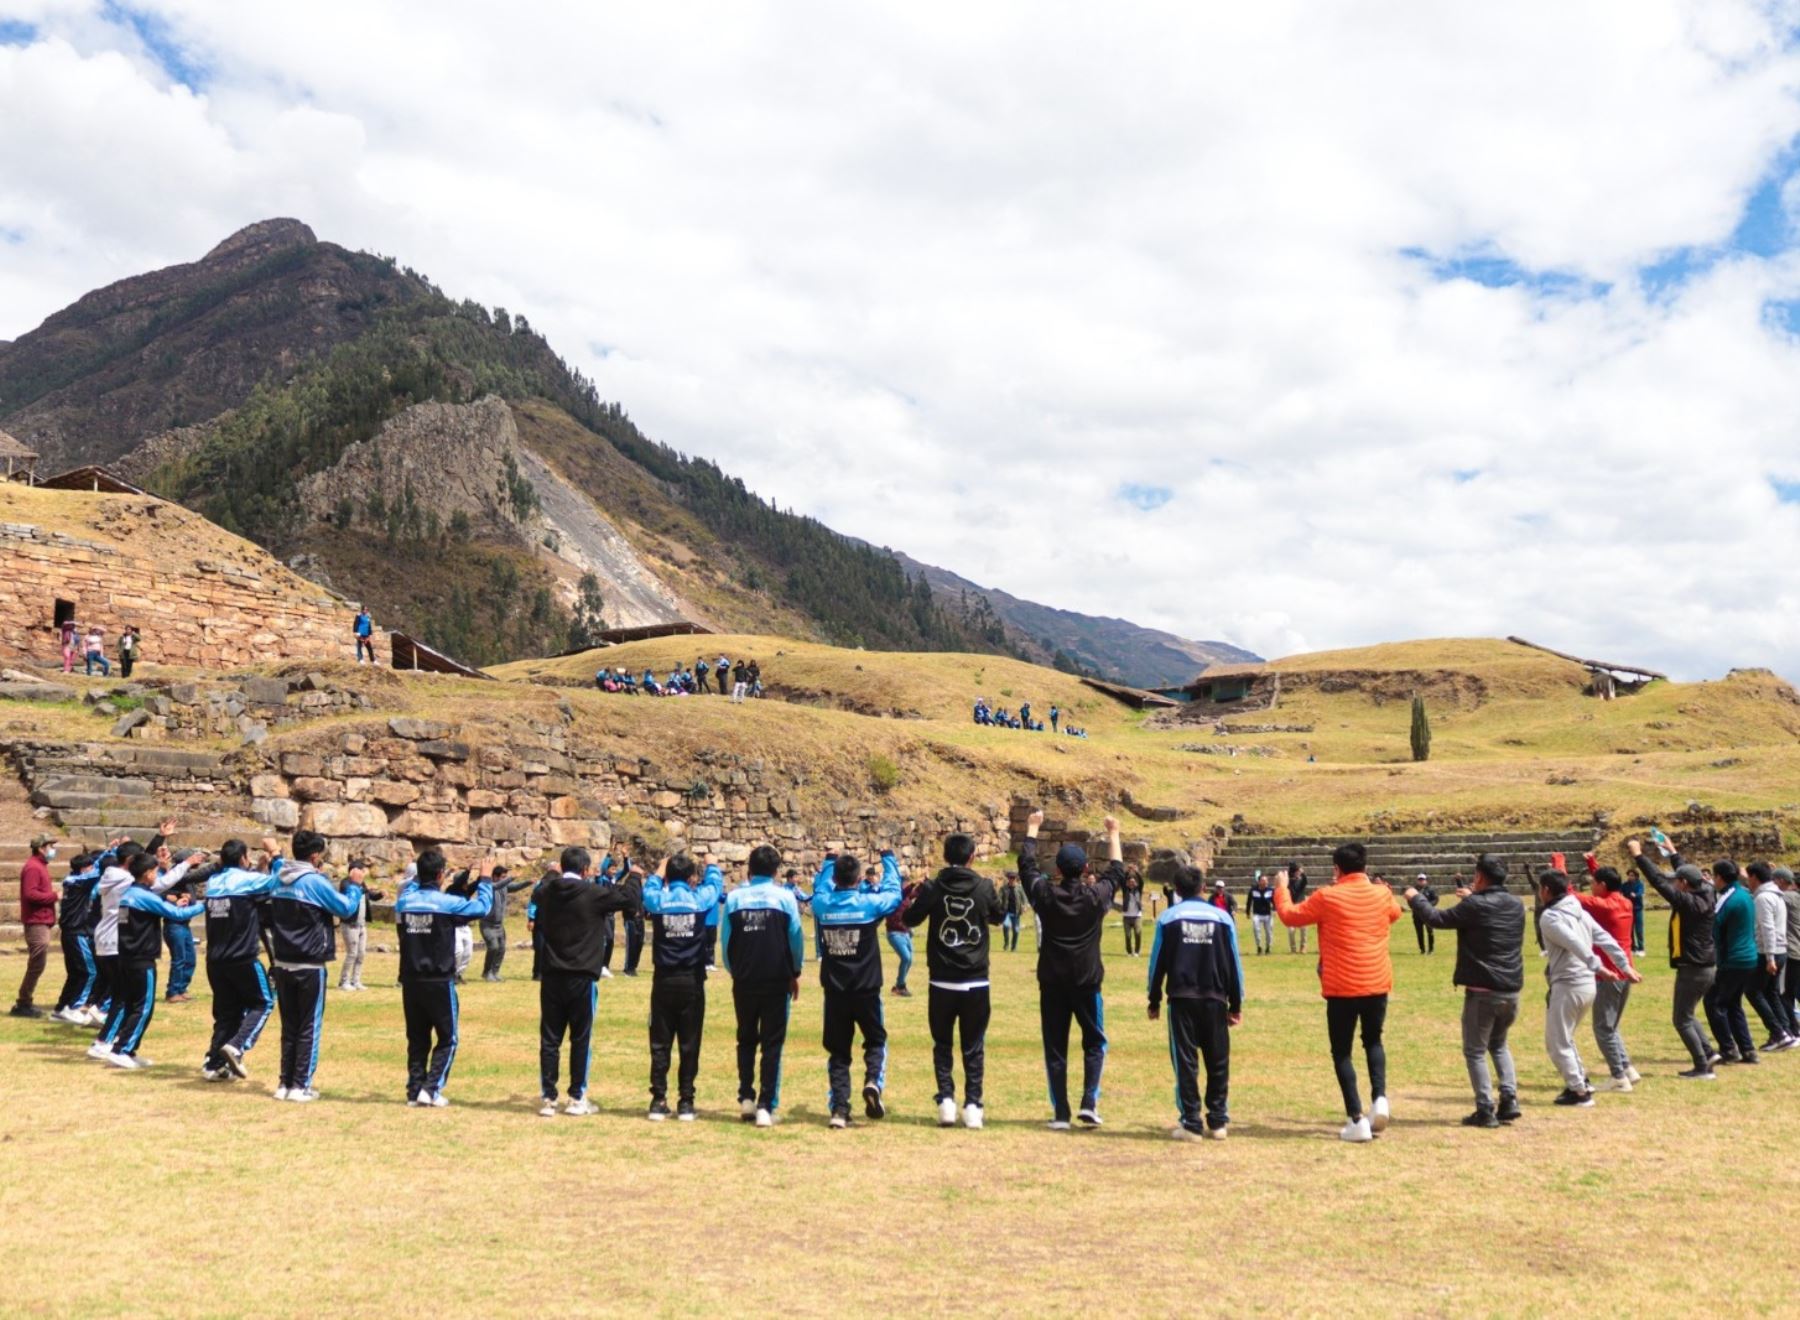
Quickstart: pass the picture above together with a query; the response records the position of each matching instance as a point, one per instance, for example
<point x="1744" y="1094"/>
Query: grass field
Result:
<point x="158" y="1194"/>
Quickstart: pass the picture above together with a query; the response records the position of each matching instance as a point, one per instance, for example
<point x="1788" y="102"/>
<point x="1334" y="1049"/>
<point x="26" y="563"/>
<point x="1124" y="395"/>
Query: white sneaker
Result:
<point x="581" y="1108"/>
<point x="99" y="1050"/>
<point x="747" y="1110"/>
<point x="302" y="1095"/>
<point x="436" y="1099"/>
<point x="1059" y="1125"/>
<point x="606" y="973"/>
<point x="72" y="1015"/>
<point x="840" y="1120"/>
<point x="1090" y="1116"/>
<point x="1632" y="1075"/>
<point x="1378" y="1117"/>
<point x="548" y="1108"/>
<point x="1615" y="1084"/>
<point x="95" y="1018"/>
<point x="1217" y="1133"/>
<point x="1182" y="1133"/>
<point x="972" y="1117"/>
<point x="281" y="1093"/>
<point x="764" y="1118"/>
<point x="216" y="1074"/>
<point x="124" y="1061"/>
<point x="946" y="1112"/>
<point x="234" y="1060"/>
<point x="1357" y="1129"/>
<point x="415" y="1101"/>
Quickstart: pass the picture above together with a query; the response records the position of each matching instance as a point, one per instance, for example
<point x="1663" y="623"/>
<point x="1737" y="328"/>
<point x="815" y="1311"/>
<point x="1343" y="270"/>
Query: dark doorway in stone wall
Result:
<point x="65" y="613"/>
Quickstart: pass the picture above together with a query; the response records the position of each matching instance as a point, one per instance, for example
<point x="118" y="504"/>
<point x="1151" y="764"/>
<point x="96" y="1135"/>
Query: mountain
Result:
<point x="437" y="460"/>
<point x="1114" y="649"/>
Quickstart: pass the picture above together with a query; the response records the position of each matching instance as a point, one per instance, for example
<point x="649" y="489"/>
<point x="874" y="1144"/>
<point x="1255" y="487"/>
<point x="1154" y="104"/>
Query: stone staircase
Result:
<point x="1399" y="857"/>
<point x="98" y="791"/>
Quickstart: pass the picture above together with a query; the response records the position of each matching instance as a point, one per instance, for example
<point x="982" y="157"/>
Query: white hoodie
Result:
<point x="1570" y="938"/>
<point x="114" y="881"/>
<point x="1771" y="922"/>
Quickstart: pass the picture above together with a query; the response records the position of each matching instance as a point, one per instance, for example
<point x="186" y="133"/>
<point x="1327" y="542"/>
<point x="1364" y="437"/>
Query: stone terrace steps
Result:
<point x="1400" y="857"/>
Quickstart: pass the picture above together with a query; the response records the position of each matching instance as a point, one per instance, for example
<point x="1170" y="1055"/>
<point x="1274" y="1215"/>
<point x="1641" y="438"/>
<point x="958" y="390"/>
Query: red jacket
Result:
<point x="1612" y="913"/>
<point x="37" y="896"/>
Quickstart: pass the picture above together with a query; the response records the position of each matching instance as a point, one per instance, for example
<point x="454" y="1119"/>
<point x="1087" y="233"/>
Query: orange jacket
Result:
<point x="1353" y="917"/>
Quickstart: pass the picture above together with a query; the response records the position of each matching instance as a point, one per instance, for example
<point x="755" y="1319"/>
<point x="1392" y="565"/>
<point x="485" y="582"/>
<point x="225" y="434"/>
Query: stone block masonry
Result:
<point x="198" y="595"/>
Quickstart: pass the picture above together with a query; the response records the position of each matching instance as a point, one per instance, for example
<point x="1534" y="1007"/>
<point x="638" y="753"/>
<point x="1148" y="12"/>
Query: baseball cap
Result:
<point x="1071" y="859"/>
<point x="42" y="840"/>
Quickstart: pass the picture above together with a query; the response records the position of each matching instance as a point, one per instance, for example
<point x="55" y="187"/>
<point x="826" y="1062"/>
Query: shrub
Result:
<point x="883" y="773"/>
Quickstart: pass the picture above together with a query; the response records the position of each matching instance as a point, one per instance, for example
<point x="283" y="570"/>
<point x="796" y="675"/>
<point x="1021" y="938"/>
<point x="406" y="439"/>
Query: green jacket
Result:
<point x="1734" y="929"/>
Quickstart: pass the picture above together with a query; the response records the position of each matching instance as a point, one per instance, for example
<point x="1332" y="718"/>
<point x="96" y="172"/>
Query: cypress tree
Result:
<point x="1421" y="731"/>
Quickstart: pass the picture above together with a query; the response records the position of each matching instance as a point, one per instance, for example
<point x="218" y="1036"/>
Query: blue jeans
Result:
<point x="97" y="658"/>
<point x="181" y="956"/>
<point x="903" y="949"/>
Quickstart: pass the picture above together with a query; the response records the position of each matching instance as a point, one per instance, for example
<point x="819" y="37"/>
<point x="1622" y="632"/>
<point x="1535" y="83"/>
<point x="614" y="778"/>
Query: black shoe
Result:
<point x="1573" y="1099"/>
<point x="1481" y="1118"/>
<point x="1750" y="1058"/>
<point x="630" y="972"/>
<point x="1698" y="1075"/>
<point x="1509" y="1109"/>
<point x="903" y="992"/>
<point x="27" y="1011"/>
<point x="659" y="1110"/>
<point x="872" y="1105"/>
<point x="1725" y="1058"/>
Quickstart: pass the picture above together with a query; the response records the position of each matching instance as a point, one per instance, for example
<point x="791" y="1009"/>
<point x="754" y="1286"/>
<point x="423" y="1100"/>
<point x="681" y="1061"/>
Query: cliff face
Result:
<point x="181" y="345"/>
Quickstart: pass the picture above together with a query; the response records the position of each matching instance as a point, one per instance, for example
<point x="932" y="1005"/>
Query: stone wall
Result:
<point x="198" y="596"/>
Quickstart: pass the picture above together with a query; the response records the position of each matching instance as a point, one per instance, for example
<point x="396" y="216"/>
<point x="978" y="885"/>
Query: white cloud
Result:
<point x="953" y="276"/>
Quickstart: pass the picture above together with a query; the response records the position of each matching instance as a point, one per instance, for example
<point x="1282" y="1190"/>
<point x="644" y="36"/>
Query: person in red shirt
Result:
<point x="37" y="908"/>
<point x="1610" y="907"/>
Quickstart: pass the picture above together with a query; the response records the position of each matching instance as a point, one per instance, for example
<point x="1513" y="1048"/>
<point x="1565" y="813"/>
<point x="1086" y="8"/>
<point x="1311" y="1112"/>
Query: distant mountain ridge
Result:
<point x="279" y="362"/>
<point x="1114" y="649"/>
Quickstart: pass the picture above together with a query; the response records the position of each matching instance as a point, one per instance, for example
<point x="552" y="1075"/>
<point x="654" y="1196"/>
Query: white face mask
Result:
<point x="49" y="854"/>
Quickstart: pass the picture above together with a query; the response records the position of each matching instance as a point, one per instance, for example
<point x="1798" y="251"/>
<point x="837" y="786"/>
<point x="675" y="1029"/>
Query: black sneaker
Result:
<point x="684" y="1112"/>
<point x="659" y="1110"/>
<point x="872" y="1105"/>
<point x="1572" y="1099"/>
<point x="27" y="1011"/>
<point x="1725" y="1058"/>
<point x="1698" y="1075"/>
<point x="903" y="992"/>
<point x="1481" y="1118"/>
<point x="840" y="1118"/>
<point x="1750" y="1058"/>
<point x="1509" y="1109"/>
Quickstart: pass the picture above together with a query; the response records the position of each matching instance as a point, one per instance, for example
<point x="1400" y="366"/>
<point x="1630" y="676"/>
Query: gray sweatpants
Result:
<point x="1609" y="1007"/>
<point x="1691" y="985"/>
<point x="1564" y="1007"/>
<point x="1486" y="1018"/>
<point x="356" y="944"/>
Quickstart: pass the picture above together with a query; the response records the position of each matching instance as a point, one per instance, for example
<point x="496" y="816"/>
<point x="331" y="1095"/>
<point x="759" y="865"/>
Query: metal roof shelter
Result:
<point x="20" y="462"/>
<point x="410" y="653"/>
<point x="91" y="479"/>
<point x="1137" y="698"/>
<point x="642" y="633"/>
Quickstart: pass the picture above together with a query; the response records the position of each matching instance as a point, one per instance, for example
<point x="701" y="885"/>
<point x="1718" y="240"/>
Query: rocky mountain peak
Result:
<point x="256" y="241"/>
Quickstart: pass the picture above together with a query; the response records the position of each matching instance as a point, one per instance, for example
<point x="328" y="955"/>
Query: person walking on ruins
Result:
<point x="426" y="920"/>
<point x="677" y="909"/>
<point x="762" y="946"/>
<point x="37" y="913"/>
<point x="847" y="922"/>
<point x="960" y="906"/>
<point x="95" y="651"/>
<point x="1691" y="950"/>
<point x="364" y="631"/>
<point x="243" y="999"/>
<point x="1297" y="885"/>
<point x="1070" y="971"/>
<point x="1490" y="967"/>
<point x="1261" y="905"/>
<point x="1608" y="905"/>
<point x="302" y="942"/>
<point x="1356" y="976"/>
<point x="1572" y="967"/>
<point x="570" y="911"/>
<point x="1194" y="954"/>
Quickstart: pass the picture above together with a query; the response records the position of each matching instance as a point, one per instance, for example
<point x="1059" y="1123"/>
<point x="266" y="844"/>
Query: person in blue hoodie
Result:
<point x="78" y="1004"/>
<point x="302" y="941"/>
<point x="679" y="912"/>
<point x="847" y="922"/>
<point x="141" y="914"/>
<point x="761" y="945"/>
<point x="1194" y="955"/>
<point x="243" y="1000"/>
<point x="426" y="920"/>
<point x="1734" y="938"/>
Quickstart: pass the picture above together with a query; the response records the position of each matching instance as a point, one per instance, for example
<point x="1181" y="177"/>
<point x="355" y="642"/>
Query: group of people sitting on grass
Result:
<point x="1729" y="937"/>
<point x="1001" y="718"/>
<point x="739" y="682"/>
